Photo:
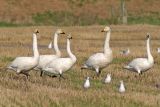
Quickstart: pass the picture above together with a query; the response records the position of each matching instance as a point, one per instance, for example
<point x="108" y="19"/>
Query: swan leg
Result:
<point x="139" y="71"/>
<point x="41" y="74"/>
<point x="26" y="74"/>
<point x="60" y="75"/>
<point x="97" y="71"/>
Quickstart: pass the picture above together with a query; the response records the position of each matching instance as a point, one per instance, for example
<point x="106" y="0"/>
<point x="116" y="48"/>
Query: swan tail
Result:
<point x="127" y="67"/>
<point x="36" y="69"/>
<point x="84" y="67"/>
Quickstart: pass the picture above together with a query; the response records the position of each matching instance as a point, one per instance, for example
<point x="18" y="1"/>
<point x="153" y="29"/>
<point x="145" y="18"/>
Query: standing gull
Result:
<point x="107" y="79"/>
<point x="122" y="87"/>
<point x="86" y="84"/>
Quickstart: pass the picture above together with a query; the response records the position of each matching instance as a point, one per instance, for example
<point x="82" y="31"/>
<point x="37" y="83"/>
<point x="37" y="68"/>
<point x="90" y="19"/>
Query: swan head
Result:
<point x="147" y="36"/>
<point x="108" y="75"/>
<point x="60" y="31"/>
<point x="36" y="31"/>
<point x="106" y="29"/>
<point x="121" y="81"/>
<point x="69" y="36"/>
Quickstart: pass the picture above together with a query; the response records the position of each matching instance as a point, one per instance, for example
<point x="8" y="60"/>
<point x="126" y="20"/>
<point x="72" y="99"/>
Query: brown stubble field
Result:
<point x="45" y="91"/>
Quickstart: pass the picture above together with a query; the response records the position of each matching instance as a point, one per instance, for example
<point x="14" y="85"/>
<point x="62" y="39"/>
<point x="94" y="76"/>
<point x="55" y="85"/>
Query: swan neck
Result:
<point x="58" y="53"/>
<point x="106" y="45"/>
<point x="150" y="58"/>
<point x="35" y="47"/>
<point x="71" y="55"/>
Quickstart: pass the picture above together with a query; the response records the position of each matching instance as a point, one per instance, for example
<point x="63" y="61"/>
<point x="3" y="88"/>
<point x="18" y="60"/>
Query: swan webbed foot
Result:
<point x="61" y="76"/>
<point x="140" y="73"/>
<point x="98" y="73"/>
<point x="25" y="73"/>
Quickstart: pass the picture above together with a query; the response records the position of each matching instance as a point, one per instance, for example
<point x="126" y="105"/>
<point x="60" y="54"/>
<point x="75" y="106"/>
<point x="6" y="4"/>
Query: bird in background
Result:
<point x="158" y="50"/>
<point x="125" y="52"/>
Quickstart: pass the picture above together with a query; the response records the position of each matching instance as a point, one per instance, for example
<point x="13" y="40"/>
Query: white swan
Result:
<point x="107" y="79"/>
<point x="45" y="59"/>
<point x="100" y="60"/>
<point x="86" y="83"/>
<point x="60" y="65"/>
<point x="122" y="87"/>
<point x="25" y="64"/>
<point x="125" y="52"/>
<point x="142" y="64"/>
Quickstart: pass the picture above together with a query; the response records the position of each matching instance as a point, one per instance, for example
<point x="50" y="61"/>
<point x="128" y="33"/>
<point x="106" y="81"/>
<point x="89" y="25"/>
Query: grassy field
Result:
<point x="71" y="12"/>
<point x="44" y="91"/>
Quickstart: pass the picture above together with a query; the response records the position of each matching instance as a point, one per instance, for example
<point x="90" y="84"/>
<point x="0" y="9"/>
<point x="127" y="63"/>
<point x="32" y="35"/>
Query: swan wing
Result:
<point x="59" y="64"/>
<point x="97" y="59"/>
<point x="45" y="59"/>
<point x="23" y="63"/>
<point x="139" y="63"/>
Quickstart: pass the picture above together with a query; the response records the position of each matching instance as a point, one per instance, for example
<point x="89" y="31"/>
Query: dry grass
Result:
<point x="21" y="11"/>
<point x="16" y="91"/>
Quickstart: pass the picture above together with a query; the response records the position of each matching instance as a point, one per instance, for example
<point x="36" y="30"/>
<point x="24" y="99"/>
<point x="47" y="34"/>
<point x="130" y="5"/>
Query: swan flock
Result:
<point x="57" y="65"/>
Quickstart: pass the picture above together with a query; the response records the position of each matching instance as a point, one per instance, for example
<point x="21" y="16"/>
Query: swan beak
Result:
<point x="70" y="38"/>
<point x="63" y="33"/>
<point x="37" y="31"/>
<point x="102" y="31"/>
<point x="148" y="35"/>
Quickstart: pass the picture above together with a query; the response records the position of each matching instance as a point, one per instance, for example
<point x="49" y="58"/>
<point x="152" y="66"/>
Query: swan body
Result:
<point x="60" y="65"/>
<point x="99" y="61"/>
<point x="122" y="87"/>
<point x="108" y="78"/>
<point x="142" y="64"/>
<point x="25" y="64"/>
<point x="86" y="83"/>
<point x="45" y="59"/>
<point x="125" y="52"/>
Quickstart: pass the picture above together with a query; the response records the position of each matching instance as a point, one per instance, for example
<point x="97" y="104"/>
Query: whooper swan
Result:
<point x="60" y="65"/>
<point x="99" y="61"/>
<point x="45" y="59"/>
<point x="24" y="64"/>
<point x="142" y="64"/>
